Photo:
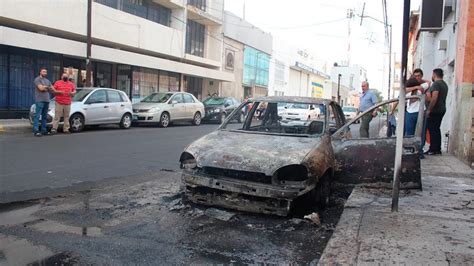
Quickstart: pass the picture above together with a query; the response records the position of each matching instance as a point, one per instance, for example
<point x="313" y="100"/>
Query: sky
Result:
<point x="321" y="27"/>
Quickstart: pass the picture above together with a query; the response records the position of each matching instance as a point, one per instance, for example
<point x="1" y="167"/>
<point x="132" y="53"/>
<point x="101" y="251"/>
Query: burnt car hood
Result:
<point x="260" y="153"/>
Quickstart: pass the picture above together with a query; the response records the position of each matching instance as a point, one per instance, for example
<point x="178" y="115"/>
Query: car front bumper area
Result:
<point x="239" y="195"/>
<point x="146" y="117"/>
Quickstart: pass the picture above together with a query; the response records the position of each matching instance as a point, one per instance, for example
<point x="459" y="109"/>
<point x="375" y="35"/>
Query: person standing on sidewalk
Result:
<point x="42" y="88"/>
<point x="64" y="91"/>
<point x="436" y="110"/>
<point x="367" y="100"/>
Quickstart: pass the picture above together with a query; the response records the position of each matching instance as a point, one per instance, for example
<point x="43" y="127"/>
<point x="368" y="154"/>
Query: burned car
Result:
<point x="266" y="163"/>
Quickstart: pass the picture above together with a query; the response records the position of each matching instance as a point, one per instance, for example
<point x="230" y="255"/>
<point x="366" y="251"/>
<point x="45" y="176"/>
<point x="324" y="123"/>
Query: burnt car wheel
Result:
<point x="164" y="119"/>
<point x="197" y="119"/>
<point x="322" y="192"/>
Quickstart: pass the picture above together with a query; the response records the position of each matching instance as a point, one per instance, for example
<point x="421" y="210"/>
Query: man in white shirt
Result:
<point x="414" y="86"/>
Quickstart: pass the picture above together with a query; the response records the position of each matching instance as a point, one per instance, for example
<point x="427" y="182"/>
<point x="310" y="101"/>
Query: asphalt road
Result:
<point x="33" y="163"/>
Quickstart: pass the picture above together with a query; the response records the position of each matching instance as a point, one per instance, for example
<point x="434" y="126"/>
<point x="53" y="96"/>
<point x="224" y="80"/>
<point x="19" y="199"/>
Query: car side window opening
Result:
<point x="188" y="98"/>
<point x="98" y="97"/>
<point x="114" y="97"/>
<point x="228" y="102"/>
<point x="178" y="98"/>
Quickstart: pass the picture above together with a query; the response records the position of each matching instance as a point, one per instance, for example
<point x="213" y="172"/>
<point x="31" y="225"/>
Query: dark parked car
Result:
<point x="267" y="162"/>
<point x="218" y="108"/>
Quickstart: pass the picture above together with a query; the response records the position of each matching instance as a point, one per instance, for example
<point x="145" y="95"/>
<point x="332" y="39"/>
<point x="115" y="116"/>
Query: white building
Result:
<point x="247" y="51"/>
<point x="351" y="76"/>
<point x="138" y="46"/>
<point x="296" y="72"/>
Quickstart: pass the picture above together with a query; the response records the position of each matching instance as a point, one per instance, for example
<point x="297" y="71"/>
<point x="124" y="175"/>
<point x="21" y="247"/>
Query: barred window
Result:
<point x="195" y="38"/>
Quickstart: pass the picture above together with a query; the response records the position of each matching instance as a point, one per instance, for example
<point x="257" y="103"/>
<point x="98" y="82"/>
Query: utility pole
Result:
<point x="401" y="106"/>
<point x="89" y="44"/>
<point x="350" y="15"/>
<point x="338" y="89"/>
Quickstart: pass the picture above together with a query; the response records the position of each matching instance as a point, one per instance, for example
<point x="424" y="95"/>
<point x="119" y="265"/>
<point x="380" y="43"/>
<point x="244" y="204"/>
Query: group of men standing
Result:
<point x="63" y="90"/>
<point x="436" y="92"/>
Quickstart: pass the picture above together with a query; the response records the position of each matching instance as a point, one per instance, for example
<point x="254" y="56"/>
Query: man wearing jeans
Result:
<point x="436" y="110"/>
<point x="367" y="100"/>
<point x="64" y="90"/>
<point x="42" y="86"/>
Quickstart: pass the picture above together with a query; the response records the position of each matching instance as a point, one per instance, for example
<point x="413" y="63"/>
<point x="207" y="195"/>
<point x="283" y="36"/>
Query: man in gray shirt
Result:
<point x="42" y="87"/>
<point x="367" y="100"/>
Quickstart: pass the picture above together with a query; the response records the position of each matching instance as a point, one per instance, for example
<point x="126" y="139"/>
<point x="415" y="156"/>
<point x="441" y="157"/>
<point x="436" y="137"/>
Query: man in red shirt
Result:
<point x="64" y="90"/>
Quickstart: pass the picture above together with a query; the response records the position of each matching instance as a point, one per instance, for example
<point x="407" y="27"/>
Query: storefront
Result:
<point x="19" y="67"/>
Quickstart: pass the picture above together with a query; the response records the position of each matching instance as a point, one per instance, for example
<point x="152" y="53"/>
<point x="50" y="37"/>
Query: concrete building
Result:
<point x="351" y="76"/>
<point x="296" y="72"/>
<point x="138" y="46"/>
<point x="247" y="52"/>
<point x="450" y="48"/>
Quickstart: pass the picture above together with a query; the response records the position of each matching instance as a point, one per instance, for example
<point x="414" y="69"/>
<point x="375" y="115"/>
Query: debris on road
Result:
<point x="314" y="217"/>
<point x="219" y="214"/>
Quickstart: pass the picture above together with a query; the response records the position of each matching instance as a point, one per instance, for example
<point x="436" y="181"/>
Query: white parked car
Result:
<point x="300" y="111"/>
<point x="94" y="106"/>
<point x="350" y="112"/>
<point x="163" y="108"/>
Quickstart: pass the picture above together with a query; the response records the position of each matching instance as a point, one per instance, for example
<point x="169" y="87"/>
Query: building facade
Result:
<point x="247" y="52"/>
<point x="450" y="48"/>
<point x="138" y="46"/>
<point x="296" y="72"/>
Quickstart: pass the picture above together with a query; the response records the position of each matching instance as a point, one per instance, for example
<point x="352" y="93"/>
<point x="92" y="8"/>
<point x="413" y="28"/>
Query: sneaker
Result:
<point x="433" y="153"/>
<point x="53" y="132"/>
<point x="38" y="134"/>
<point x="46" y="134"/>
<point x="67" y="132"/>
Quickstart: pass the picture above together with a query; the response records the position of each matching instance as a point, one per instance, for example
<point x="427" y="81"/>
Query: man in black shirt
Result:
<point x="436" y="110"/>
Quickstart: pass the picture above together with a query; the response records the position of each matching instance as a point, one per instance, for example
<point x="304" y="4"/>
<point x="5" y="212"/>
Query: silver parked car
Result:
<point x="163" y="108"/>
<point x="94" y="106"/>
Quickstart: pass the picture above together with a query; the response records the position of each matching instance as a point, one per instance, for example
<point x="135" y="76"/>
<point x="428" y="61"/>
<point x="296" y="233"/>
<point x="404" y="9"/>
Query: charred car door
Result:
<point x="370" y="161"/>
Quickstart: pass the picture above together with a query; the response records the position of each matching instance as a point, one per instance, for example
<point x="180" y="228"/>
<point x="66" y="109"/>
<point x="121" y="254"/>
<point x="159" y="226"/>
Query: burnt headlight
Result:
<point x="187" y="161"/>
<point x="295" y="172"/>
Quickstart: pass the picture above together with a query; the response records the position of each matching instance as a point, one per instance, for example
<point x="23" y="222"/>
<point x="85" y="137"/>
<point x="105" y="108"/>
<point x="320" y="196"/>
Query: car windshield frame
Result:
<point x="149" y="98"/>
<point x="81" y="94"/>
<point x="218" y="101"/>
<point x="246" y="125"/>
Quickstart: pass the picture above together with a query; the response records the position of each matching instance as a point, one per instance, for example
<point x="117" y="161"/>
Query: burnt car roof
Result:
<point x="290" y="99"/>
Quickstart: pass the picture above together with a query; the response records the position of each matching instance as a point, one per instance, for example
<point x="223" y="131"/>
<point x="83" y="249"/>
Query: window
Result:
<point x="256" y="67"/>
<point x="169" y="81"/>
<point x="201" y="4"/>
<point x="194" y="86"/>
<point x="114" y="97"/>
<point x="195" y="38"/>
<point x="178" y="97"/>
<point x="98" y="97"/>
<point x="188" y="98"/>
<point x="146" y="9"/>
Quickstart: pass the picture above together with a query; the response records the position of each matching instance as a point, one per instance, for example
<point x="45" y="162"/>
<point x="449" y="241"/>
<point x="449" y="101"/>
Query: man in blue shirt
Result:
<point x="367" y="100"/>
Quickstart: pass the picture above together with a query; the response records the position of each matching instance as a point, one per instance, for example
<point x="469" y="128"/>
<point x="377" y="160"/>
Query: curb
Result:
<point x="15" y="127"/>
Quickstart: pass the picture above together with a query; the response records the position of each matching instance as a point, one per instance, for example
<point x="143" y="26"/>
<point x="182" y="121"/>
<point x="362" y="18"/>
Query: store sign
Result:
<point x="311" y="70"/>
<point x="317" y="90"/>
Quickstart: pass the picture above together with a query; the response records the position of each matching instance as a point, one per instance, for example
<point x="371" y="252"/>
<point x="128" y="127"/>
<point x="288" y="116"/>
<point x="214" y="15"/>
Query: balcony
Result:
<point x="210" y="15"/>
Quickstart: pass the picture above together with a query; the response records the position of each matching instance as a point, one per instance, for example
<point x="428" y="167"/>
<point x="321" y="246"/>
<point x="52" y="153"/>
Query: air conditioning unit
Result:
<point x="442" y="44"/>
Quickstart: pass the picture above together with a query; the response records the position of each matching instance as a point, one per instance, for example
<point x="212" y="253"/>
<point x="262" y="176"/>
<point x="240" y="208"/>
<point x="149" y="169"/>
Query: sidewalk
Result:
<point x="14" y="125"/>
<point x="433" y="227"/>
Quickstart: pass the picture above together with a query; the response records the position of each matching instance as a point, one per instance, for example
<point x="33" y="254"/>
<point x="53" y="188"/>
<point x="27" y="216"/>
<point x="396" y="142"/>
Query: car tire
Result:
<point x="197" y="119"/>
<point x="126" y="121"/>
<point x="222" y="118"/>
<point x="323" y="191"/>
<point x="241" y="118"/>
<point x="76" y="123"/>
<point x="165" y="119"/>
